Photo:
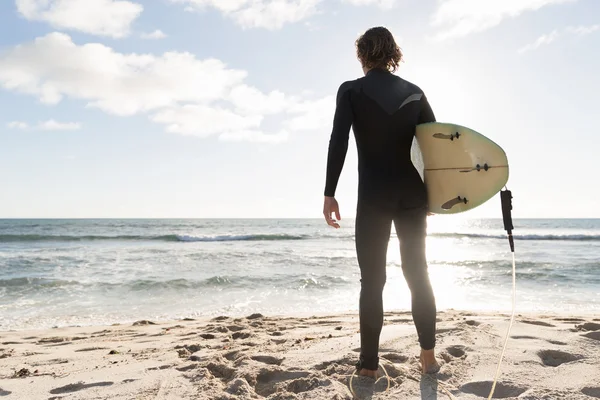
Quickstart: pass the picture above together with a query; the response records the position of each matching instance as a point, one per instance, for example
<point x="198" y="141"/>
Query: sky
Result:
<point x="223" y="108"/>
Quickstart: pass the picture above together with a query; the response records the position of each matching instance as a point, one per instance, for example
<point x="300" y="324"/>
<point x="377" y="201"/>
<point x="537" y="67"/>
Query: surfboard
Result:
<point x="461" y="168"/>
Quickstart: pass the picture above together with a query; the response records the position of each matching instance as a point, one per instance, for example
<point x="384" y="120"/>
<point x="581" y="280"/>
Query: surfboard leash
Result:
<point x="506" y="201"/>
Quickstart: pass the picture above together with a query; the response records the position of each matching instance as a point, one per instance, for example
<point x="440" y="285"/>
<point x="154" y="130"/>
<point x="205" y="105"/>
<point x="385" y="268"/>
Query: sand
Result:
<point x="288" y="358"/>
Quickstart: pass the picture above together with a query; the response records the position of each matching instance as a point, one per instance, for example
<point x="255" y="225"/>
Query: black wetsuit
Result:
<point x="383" y="110"/>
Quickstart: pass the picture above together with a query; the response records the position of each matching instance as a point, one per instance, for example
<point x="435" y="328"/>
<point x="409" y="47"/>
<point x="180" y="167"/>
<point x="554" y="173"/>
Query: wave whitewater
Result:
<point x="269" y="237"/>
<point x="217" y="281"/>
<point x="162" y="238"/>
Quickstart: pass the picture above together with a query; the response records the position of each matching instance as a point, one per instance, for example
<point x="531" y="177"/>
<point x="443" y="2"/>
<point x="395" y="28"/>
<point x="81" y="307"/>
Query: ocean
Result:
<point x="103" y="271"/>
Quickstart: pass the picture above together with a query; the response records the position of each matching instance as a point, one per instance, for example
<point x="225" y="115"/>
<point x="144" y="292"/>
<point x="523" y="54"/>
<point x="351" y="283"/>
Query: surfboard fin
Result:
<point x="452" y="136"/>
<point x="477" y="168"/>
<point x="451" y="203"/>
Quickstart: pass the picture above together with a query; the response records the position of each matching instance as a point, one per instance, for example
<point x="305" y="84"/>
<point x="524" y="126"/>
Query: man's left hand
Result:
<point x="330" y="207"/>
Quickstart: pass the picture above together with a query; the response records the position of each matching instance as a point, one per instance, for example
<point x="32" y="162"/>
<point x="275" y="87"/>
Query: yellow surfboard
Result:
<point x="461" y="168"/>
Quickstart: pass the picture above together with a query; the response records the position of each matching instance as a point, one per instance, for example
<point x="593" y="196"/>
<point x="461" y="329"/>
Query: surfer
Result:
<point x="383" y="110"/>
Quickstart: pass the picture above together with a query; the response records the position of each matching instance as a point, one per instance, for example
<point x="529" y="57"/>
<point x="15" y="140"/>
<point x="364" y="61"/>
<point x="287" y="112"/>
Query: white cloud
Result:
<point x="249" y="100"/>
<point x="542" y="40"/>
<point x="111" y="18"/>
<point x="17" y="125"/>
<point x="311" y="115"/>
<point x="124" y="84"/>
<point x="157" y="34"/>
<point x="52" y="125"/>
<point x="254" y="136"/>
<point x="458" y="18"/>
<point x="187" y="95"/>
<point x="583" y="30"/>
<point x="555" y="34"/>
<point x="380" y="3"/>
<point x="269" y="14"/>
<point x="201" y="120"/>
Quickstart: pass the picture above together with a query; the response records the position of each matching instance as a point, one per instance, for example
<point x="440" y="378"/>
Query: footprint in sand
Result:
<point x="50" y="362"/>
<point x="5" y="353"/>
<point x="4" y="392"/>
<point x="395" y="357"/>
<point x="554" y="358"/>
<point x="538" y="323"/>
<point x="305" y="384"/>
<point x="207" y="336"/>
<point x="221" y="371"/>
<point x="267" y="379"/>
<point x="91" y="349"/>
<point x="447" y="330"/>
<point x="593" y="335"/>
<point x="240" y="335"/>
<point x="236" y="328"/>
<point x="268" y="360"/>
<point x="457" y="351"/>
<point x="569" y="319"/>
<point x="503" y="390"/>
<point x="54" y="340"/>
<point x="557" y="342"/>
<point x="589" y="326"/>
<point x="240" y="388"/>
<point x="591" y="391"/>
<point x="76" y="387"/>
<point x="187" y="368"/>
<point x="525" y="337"/>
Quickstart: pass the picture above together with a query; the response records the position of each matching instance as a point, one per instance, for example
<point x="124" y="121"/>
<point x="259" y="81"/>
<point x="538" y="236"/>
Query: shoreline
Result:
<point x="293" y="357"/>
<point x="319" y="314"/>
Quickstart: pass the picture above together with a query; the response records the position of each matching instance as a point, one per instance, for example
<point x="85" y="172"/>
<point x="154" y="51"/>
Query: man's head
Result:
<point x="376" y="48"/>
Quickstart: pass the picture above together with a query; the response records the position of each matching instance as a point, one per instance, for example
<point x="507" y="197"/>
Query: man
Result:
<point x="383" y="110"/>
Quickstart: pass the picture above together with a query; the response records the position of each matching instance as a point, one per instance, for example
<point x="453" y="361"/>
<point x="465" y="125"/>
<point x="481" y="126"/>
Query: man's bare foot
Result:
<point x="429" y="364"/>
<point x="368" y="372"/>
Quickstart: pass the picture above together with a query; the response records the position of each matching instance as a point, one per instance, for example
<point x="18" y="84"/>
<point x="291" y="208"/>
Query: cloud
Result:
<point x="187" y="95"/>
<point x="268" y="14"/>
<point x="254" y="136"/>
<point x="202" y="120"/>
<point x="583" y="30"/>
<point x="53" y="66"/>
<point x="555" y="34"/>
<point x="458" y="18"/>
<point x="542" y="40"/>
<point x="312" y="115"/>
<point x="17" y="125"/>
<point x="50" y="125"/>
<point x="157" y="34"/>
<point x="381" y="3"/>
<point x="112" y="18"/>
<point x="249" y="100"/>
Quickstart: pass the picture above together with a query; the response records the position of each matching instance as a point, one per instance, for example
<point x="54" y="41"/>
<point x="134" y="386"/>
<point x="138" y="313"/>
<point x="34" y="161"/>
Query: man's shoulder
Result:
<point x="413" y="87"/>
<point x="349" y="84"/>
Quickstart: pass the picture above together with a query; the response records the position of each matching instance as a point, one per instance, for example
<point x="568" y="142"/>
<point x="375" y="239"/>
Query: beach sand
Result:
<point x="312" y="357"/>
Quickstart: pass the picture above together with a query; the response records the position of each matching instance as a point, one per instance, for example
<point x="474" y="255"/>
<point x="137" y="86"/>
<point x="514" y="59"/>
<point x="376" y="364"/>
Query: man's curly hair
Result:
<point x="376" y="48"/>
